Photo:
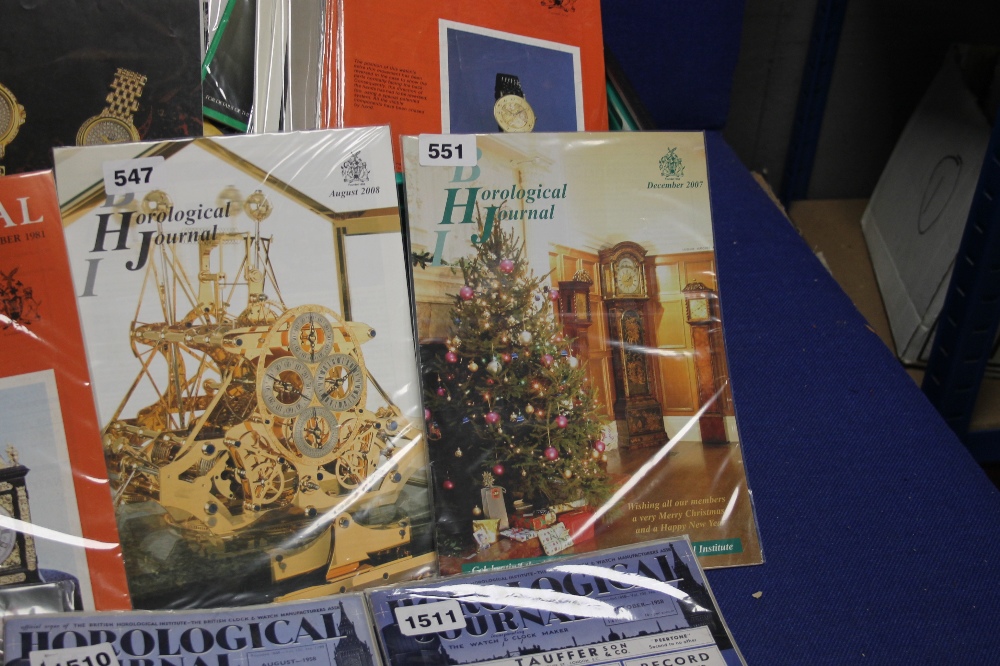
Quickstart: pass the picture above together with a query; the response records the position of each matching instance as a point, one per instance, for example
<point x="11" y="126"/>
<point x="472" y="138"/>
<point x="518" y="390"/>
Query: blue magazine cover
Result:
<point x="335" y="630"/>
<point x="634" y="606"/>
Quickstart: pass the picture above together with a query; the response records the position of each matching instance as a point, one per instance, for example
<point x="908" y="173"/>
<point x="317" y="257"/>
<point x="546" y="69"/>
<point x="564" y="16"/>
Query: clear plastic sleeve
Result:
<point x="574" y="368"/>
<point x="247" y="323"/>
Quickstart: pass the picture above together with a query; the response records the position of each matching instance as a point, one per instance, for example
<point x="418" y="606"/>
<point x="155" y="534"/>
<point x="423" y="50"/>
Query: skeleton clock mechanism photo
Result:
<point x="624" y="289"/>
<point x="260" y="438"/>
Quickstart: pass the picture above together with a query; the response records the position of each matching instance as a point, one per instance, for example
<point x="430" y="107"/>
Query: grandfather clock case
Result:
<point x="625" y="292"/>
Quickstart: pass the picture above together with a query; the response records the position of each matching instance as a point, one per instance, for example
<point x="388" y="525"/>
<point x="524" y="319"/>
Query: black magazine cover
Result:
<point x="96" y="71"/>
<point x="229" y="66"/>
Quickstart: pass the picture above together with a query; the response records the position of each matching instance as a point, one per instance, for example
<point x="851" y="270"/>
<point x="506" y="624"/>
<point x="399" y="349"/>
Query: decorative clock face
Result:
<point x="310" y="337"/>
<point x="316" y="432"/>
<point x="106" y="129"/>
<point x="627" y="276"/>
<point x="699" y="309"/>
<point x="8" y="538"/>
<point x="340" y="382"/>
<point x="6" y="116"/>
<point x="287" y="386"/>
<point x="514" y="114"/>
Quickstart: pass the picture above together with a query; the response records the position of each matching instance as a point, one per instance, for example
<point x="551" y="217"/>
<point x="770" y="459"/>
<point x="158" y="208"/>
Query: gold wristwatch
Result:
<point x="114" y="123"/>
<point x="511" y="109"/>
<point x="11" y="118"/>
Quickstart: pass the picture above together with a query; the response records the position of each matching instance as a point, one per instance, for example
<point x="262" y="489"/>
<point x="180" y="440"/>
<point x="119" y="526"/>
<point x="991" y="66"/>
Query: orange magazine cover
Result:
<point x="463" y="67"/>
<point x="56" y="514"/>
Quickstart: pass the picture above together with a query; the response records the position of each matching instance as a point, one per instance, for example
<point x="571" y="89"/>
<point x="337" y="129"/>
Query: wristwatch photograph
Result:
<point x="114" y="123"/>
<point x="511" y="109"/>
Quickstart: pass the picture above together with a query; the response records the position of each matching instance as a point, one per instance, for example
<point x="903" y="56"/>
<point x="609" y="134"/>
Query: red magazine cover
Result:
<point x="56" y="513"/>
<point x="426" y="67"/>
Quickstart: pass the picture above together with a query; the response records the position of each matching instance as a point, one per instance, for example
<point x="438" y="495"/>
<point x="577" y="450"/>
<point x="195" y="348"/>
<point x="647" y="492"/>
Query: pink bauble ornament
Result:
<point x="498" y="469"/>
<point x="466" y="293"/>
<point x="599" y="446"/>
<point x="427" y="415"/>
<point x="448" y="484"/>
<point x="554" y="294"/>
<point x="562" y="421"/>
<point x="507" y="266"/>
<point x="547" y="360"/>
<point x="491" y="417"/>
<point x="441" y="391"/>
<point x="551" y="453"/>
<point x="451" y="357"/>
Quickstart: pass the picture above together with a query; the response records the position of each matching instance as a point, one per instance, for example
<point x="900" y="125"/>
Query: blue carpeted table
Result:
<point x="881" y="534"/>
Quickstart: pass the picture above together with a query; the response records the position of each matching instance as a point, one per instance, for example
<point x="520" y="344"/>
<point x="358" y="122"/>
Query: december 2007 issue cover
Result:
<point x="247" y="323"/>
<point x="573" y="363"/>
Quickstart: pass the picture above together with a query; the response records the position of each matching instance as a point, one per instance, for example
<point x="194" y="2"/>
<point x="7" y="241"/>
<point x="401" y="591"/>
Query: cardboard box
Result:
<point x="916" y="216"/>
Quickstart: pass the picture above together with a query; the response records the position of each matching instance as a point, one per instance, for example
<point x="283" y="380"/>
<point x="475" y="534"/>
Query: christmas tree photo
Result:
<point x="515" y="404"/>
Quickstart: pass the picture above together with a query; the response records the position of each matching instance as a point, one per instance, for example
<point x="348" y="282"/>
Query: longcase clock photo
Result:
<point x="626" y="302"/>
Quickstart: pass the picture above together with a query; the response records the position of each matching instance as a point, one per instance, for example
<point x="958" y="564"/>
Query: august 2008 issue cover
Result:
<point x="247" y="323"/>
<point x="642" y="605"/>
<point x="573" y="363"/>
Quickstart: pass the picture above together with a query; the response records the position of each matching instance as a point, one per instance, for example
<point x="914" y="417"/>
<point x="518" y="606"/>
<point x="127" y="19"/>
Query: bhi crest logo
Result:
<point x="671" y="165"/>
<point x="354" y="170"/>
<point x="18" y="306"/>
<point x="564" y="5"/>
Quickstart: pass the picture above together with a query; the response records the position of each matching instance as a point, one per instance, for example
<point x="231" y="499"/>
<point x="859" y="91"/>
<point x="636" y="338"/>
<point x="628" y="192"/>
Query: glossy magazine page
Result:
<point x="647" y="605"/>
<point x="573" y="361"/>
<point x="248" y="328"/>
<point x="56" y="514"/>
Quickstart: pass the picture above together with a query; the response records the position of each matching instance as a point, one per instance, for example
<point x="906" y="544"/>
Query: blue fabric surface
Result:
<point x="678" y="56"/>
<point x="881" y="534"/>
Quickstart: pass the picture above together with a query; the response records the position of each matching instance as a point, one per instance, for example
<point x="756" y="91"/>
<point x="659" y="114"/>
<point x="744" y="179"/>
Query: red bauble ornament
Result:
<point x="506" y="266"/>
<point x="562" y="421"/>
<point x="491" y="417"/>
<point x="599" y="446"/>
<point x="547" y="360"/>
<point x="551" y="453"/>
<point x="441" y="391"/>
<point x="553" y="294"/>
<point x="448" y="484"/>
<point x="498" y="469"/>
<point x="466" y="293"/>
<point x="451" y="357"/>
<point x="506" y="357"/>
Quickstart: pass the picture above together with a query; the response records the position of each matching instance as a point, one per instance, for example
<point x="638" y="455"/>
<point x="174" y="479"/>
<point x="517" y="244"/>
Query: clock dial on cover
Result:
<point x="287" y="386"/>
<point x="340" y="382"/>
<point x="8" y="539"/>
<point x="310" y="337"/>
<point x="316" y="432"/>
<point x="627" y="275"/>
